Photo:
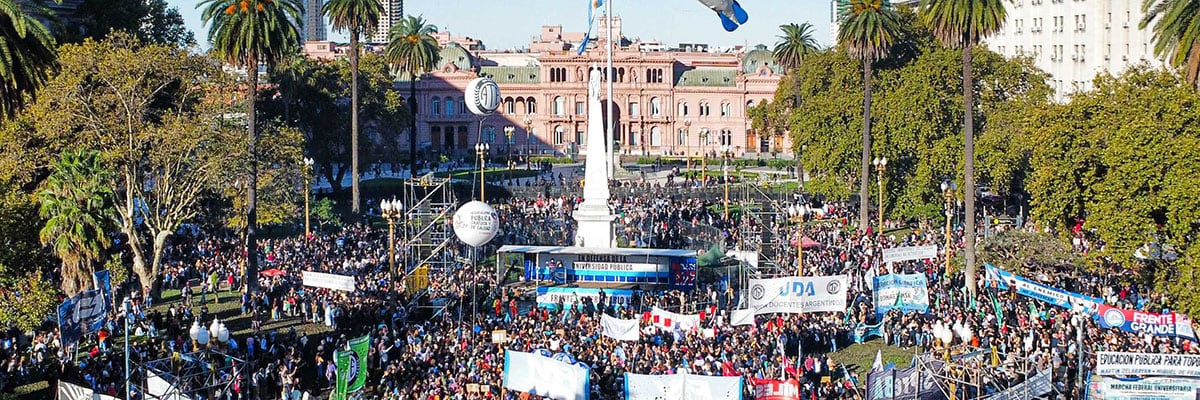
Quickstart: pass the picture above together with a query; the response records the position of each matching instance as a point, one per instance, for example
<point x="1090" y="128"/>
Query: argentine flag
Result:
<point x="593" y="5"/>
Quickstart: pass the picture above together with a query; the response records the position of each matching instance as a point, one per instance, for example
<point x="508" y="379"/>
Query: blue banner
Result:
<point x="904" y="292"/>
<point x="862" y="332"/>
<point x="683" y="273"/>
<point x="549" y="297"/>
<point x="1049" y="294"/>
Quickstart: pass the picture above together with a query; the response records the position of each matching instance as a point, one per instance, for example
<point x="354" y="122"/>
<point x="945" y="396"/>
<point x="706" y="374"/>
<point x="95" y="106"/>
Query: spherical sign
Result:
<point x="476" y="223"/>
<point x="482" y="96"/>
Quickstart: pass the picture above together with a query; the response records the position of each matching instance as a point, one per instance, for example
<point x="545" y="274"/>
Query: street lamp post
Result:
<point x="308" y="166"/>
<point x="392" y="210"/>
<point x="687" y="138"/>
<point x="880" y="167"/>
<point x="125" y="306"/>
<point x="703" y="156"/>
<point x="800" y="166"/>
<point x="797" y="214"/>
<point x="508" y="133"/>
<point x="482" y="149"/>
<point x="198" y="334"/>
<point x="948" y="188"/>
<point x="528" y="121"/>
<point x="726" y="153"/>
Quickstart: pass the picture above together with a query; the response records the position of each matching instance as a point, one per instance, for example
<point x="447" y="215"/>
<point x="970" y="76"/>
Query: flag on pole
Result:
<point x="878" y="364"/>
<point x="593" y="5"/>
<point x="351" y="367"/>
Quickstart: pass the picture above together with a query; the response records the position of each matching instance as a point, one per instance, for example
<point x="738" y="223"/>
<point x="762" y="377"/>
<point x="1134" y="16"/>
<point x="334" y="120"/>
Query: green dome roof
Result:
<point x="758" y="57"/>
<point x="457" y="55"/>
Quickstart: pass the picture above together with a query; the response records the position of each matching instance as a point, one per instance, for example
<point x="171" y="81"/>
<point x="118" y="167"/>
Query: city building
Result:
<point x="313" y="28"/>
<point x="1073" y="40"/>
<point x="393" y="11"/>
<point x="667" y="102"/>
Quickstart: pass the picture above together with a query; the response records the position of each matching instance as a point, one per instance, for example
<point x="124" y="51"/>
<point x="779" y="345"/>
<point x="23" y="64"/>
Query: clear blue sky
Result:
<point x="504" y="24"/>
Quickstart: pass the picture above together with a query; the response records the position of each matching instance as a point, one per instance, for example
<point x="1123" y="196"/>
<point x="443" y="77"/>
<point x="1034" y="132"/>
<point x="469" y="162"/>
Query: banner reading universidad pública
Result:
<point x="1111" y="363"/>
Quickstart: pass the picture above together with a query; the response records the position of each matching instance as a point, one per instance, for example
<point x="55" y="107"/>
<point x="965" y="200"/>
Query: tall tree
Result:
<point x="867" y="30"/>
<point x="152" y="21"/>
<point x="28" y="54"/>
<point x="962" y="24"/>
<point x="76" y="202"/>
<point x="355" y="16"/>
<point x="796" y="43"/>
<point x="1176" y="33"/>
<point x="412" y="49"/>
<point x="245" y="33"/>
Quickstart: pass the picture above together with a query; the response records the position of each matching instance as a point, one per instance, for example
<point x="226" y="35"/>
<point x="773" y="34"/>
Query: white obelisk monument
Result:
<point x="594" y="216"/>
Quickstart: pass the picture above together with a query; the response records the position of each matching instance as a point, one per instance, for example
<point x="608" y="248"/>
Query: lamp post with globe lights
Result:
<point x="392" y="210"/>
<point x="482" y="150"/>
<point x="687" y="138"/>
<point x="797" y="215"/>
<point x="726" y="154"/>
<point x="880" y="166"/>
<point x="528" y="121"/>
<point x="308" y="169"/>
<point x="508" y="142"/>
<point x="703" y="156"/>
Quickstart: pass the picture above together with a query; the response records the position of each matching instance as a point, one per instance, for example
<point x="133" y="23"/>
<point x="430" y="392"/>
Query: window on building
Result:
<point x="559" y="134"/>
<point x="633" y="139"/>
<point x="559" y="106"/>
<point x="635" y="109"/>
<point x="510" y="107"/>
<point x="462" y="105"/>
<point x="531" y="105"/>
<point x="436" y="105"/>
<point x="654" y="75"/>
<point x="683" y="110"/>
<point x="726" y="110"/>
<point x="579" y="108"/>
<point x="450" y="106"/>
<point x="655" y="107"/>
<point x="704" y="110"/>
<point x="656" y="136"/>
<point x="578" y="137"/>
<point x="489" y="134"/>
<point x="681" y="137"/>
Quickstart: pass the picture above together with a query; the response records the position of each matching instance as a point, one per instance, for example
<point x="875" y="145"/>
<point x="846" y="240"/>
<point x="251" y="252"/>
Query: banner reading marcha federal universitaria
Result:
<point x="798" y="294"/>
<point x="1049" y="294"/>
<point x="909" y="292"/>
<point x="1143" y="322"/>
<point x="351" y="367"/>
<point x="545" y="376"/>
<point x="1109" y="388"/>
<point x="1110" y="363"/>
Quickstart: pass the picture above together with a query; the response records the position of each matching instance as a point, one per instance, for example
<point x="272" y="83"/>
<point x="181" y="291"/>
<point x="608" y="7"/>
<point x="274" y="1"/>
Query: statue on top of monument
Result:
<point x="594" y="83"/>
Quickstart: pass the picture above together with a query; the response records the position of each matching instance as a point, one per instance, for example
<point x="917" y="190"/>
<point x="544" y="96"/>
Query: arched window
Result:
<point x="621" y="74"/>
<point x="450" y="108"/>
<point x="531" y="105"/>
<point x="726" y="109"/>
<point x="559" y="134"/>
<point x="683" y="109"/>
<point x="655" y="107"/>
<point x="462" y="105"/>
<point x="656" y="136"/>
<point x="510" y="106"/>
<point x="560" y="106"/>
<point x="436" y="105"/>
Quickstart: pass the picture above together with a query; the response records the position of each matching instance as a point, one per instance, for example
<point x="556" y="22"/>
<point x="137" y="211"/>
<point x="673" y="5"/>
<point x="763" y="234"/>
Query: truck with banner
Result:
<point x="650" y="268"/>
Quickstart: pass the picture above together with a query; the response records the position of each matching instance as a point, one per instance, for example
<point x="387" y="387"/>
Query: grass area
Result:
<point x="36" y="390"/>
<point x="859" y="357"/>
<point x="228" y="309"/>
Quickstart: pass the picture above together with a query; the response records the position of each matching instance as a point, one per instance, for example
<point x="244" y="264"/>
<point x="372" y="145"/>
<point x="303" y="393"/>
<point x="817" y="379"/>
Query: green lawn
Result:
<point x="229" y="311"/>
<point x="859" y="357"/>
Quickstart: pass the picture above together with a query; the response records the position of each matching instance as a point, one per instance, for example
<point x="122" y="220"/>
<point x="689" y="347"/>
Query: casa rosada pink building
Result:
<point x="666" y="103"/>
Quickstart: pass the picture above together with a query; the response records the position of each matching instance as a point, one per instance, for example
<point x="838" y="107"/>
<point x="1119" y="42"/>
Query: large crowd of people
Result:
<point x="437" y="342"/>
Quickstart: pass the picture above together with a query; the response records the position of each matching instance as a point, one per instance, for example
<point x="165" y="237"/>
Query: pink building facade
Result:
<point x="666" y="103"/>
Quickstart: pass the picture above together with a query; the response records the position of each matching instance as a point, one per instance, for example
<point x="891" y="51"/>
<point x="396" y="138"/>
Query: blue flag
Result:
<point x="593" y="5"/>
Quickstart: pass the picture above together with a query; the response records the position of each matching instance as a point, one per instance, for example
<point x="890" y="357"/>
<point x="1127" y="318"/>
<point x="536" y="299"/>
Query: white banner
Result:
<point x="667" y="320"/>
<point x="682" y="386"/>
<point x="1106" y="388"/>
<point x="749" y="257"/>
<point x="620" y="329"/>
<point x="741" y="317"/>
<point x="68" y="391"/>
<point x="545" y="376"/>
<point x="1109" y="363"/>
<point x="909" y="253"/>
<point x="798" y="294"/>
<point x="614" y="266"/>
<point x="344" y="283"/>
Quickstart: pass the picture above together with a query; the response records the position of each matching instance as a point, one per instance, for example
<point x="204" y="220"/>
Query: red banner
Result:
<point x="770" y="389"/>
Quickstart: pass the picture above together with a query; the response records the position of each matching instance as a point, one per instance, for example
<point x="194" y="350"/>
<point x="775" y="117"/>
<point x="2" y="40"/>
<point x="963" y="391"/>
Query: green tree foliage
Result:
<point x="28" y="50"/>
<point x="794" y="44"/>
<point x="1176" y="33"/>
<point x="151" y="21"/>
<point x="1125" y="158"/>
<point x="77" y="202"/>
<point x="281" y="180"/>
<point x="411" y="49"/>
<point x="244" y="33"/>
<point x="26" y="300"/>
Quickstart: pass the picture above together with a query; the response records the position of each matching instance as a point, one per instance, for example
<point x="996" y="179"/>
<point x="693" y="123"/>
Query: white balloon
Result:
<point x="482" y="96"/>
<point x="476" y="223"/>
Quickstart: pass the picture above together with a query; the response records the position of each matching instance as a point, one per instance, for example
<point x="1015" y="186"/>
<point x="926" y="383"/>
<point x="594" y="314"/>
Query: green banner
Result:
<point x="351" y="367"/>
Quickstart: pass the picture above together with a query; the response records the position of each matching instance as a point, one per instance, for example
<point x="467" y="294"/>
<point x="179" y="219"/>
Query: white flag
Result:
<point x="878" y="364"/>
<point x="620" y="329"/>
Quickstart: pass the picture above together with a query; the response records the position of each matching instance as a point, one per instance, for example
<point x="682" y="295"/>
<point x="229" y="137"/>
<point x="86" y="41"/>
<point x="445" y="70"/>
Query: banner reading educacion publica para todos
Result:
<point x="1048" y="294"/>
<point x="912" y="290"/>
<point x="1110" y="363"/>
<point x="798" y="294"/>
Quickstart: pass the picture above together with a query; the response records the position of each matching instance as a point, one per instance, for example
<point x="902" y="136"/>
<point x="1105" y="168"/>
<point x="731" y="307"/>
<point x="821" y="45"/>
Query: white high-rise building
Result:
<point x="314" y="21"/>
<point x="1073" y="40"/>
<point x="393" y="11"/>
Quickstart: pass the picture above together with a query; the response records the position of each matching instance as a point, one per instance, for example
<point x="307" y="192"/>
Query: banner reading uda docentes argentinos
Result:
<point x="798" y="294"/>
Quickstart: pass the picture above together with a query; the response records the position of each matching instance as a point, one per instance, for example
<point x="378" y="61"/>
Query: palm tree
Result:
<point x="963" y="23"/>
<point x="245" y="33"/>
<point x="356" y="16"/>
<point x="76" y="201"/>
<point x="28" y="55"/>
<point x="794" y="45"/>
<point x="868" y="29"/>
<point x="411" y="48"/>
<point x="1176" y="33"/>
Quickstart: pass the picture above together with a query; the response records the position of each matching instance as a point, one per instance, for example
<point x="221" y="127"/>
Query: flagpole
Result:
<point x="612" y="98"/>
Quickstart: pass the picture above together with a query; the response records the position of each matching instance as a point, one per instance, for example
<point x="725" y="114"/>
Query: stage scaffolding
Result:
<point x="424" y="239"/>
<point x="203" y="374"/>
<point x="965" y="372"/>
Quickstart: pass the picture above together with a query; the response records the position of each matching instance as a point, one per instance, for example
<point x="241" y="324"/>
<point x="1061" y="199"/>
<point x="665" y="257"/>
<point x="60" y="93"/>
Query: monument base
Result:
<point x="595" y="226"/>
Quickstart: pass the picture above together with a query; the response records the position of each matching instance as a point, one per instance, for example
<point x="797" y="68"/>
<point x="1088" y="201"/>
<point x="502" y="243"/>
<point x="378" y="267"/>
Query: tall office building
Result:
<point x="314" y="21"/>
<point x="393" y="11"/>
<point x="1073" y="40"/>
